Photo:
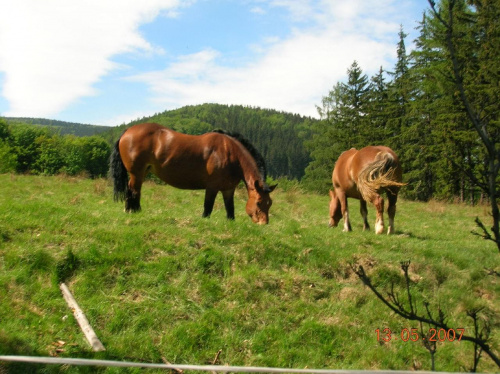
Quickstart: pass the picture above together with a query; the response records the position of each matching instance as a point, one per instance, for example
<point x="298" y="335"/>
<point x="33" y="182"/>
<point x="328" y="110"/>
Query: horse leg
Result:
<point x="364" y="213"/>
<point x="208" y="205"/>
<point x="378" y="201"/>
<point x="391" y="210"/>
<point x="133" y="194"/>
<point x="345" y="210"/>
<point x="228" y="196"/>
<point x="335" y="210"/>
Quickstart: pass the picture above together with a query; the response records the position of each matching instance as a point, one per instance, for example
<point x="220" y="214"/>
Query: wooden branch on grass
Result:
<point x="214" y="362"/>
<point x="165" y="361"/>
<point x="82" y="320"/>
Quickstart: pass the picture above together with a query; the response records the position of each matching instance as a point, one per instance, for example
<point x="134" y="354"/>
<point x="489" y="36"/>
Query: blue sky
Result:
<point x="109" y="62"/>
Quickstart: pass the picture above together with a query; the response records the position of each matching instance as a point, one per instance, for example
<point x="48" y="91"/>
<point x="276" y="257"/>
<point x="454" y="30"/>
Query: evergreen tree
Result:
<point x="409" y="133"/>
<point x="344" y="125"/>
<point x="354" y="123"/>
<point x="468" y="34"/>
<point x="376" y="132"/>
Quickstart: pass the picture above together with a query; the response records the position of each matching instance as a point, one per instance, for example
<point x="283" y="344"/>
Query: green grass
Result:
<point x="167" y="283"/>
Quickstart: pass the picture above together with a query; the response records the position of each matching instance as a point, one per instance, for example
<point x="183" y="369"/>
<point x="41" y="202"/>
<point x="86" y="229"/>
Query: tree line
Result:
<point x="434" y="109"/>
<point x="38" y="147"/>
<point x="61" y="127"/>
<point x="40" y="150"/>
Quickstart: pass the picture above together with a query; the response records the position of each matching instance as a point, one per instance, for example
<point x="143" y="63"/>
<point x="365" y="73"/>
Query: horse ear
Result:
<point x="257" y="186"/>
<point x="264" y="188"/>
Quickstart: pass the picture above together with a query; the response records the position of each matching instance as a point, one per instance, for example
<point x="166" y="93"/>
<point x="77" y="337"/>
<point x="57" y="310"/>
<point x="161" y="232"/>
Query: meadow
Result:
<point x="166" y="284"/>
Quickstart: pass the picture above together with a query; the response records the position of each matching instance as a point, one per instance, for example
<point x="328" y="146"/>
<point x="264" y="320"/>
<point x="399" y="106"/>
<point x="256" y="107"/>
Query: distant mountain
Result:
<point x="61" y="127"/>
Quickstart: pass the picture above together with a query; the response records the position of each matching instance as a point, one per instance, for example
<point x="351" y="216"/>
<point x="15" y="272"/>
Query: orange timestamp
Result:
<point x="412" y="334"/>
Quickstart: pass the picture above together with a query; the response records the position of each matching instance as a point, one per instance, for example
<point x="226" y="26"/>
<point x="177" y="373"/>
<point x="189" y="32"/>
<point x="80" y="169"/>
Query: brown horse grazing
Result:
<point x="215" y="161"/>
<point x="364" y="175"/>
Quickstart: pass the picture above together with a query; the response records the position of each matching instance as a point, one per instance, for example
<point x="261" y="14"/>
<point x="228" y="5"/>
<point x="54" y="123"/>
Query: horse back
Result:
<point x="138" y="145"/>
<point x="352" y="162"/>
<point x="180" y="160"/>
<point x="377" y="169"/>
<point x="371" y="154"/>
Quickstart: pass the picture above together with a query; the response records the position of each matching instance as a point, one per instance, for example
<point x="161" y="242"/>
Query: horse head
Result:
<point x="335" y="210"/>
<point x="259" y="202"/>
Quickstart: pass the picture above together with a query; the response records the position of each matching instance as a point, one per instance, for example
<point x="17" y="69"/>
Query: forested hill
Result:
<point x="279" y="136"/>
<point x="60" y="127"/>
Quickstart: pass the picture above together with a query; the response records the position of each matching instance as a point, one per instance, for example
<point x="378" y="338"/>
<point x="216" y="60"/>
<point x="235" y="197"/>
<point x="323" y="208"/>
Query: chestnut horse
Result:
<point x="215" y="161"/>
<point x="364" y="175"/>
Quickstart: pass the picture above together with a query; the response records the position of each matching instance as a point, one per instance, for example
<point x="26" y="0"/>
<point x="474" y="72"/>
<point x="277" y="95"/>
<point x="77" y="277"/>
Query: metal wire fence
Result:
<point x="209" y="368"/>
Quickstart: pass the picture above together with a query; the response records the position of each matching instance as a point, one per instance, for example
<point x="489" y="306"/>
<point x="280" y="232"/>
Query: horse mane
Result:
<point x="377" y="175"/>
<point x="259" y="160"/>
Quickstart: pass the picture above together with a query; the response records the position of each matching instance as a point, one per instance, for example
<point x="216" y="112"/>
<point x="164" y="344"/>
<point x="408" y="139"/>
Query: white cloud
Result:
<point x="121" y="119"/>
<point x="53" y="51"/>
<point x="258" y="10"/>
<point x="290" y="74"/>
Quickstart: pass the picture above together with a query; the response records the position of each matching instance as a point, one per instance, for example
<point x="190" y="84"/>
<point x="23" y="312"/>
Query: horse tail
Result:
<point x="118" y="173"/>
<point x="379" y="174"/>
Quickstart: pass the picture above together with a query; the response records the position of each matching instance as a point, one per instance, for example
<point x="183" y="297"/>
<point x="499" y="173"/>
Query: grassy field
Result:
<point x="165" y="283"/>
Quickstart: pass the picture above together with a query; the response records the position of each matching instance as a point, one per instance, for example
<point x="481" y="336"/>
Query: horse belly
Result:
<point x="182" y="175"/>
<point x="188" y="162"/>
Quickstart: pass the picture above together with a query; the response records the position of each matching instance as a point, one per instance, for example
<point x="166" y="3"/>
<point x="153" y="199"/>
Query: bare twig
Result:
<point x="430" y="345"/>
<point x="486" y="234"/>
<point x="216" y="358"/>
<point x="165" y="361"/>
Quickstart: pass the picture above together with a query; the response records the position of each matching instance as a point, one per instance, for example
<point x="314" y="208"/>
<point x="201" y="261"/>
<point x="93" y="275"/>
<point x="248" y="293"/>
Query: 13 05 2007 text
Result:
<point x="413" y="334"/>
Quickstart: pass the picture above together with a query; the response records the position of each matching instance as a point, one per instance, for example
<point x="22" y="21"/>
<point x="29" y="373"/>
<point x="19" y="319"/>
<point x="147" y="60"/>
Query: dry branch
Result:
<point x="82" y="320"/>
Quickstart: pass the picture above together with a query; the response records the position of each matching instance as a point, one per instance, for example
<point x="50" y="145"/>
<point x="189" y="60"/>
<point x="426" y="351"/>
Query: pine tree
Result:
<point x="468" y="34"/>
<point x="408" y="128"/>
<point x="376" y="131"/>
<point x="344" y="125"/>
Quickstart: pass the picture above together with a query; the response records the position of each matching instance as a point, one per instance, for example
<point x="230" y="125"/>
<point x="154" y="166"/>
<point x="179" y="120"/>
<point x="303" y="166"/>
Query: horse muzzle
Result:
<point x="260" y="219"/>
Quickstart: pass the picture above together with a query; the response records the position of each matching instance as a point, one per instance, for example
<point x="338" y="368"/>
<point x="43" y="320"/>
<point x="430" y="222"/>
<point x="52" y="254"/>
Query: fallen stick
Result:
<point x="214" y="362"/>
<point x="168" y="363"/>
<point x="82" y="320"/>
<point x="216" y="359"/>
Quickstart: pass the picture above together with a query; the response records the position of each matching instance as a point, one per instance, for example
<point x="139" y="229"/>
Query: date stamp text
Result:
<point x="413" y="334"/>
